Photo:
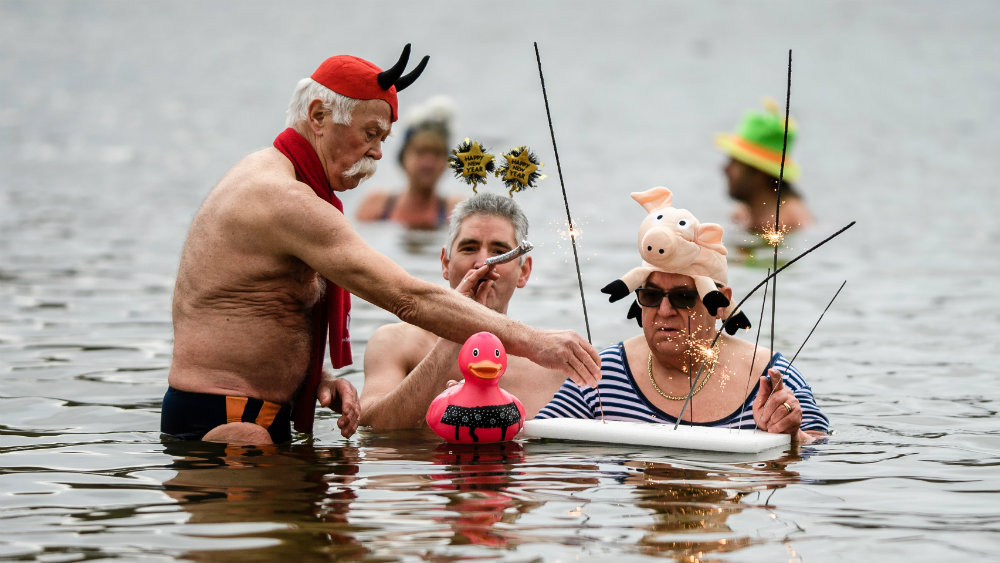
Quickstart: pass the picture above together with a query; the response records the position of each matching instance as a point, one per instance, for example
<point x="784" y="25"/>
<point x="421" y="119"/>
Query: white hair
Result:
<point x="340" y="107"/>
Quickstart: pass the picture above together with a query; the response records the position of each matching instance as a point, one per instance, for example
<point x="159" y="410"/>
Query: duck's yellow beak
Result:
<point x="485" y="369"/>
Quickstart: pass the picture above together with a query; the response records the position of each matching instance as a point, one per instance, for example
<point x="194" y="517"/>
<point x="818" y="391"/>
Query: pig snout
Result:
<point x="660" y="243"/>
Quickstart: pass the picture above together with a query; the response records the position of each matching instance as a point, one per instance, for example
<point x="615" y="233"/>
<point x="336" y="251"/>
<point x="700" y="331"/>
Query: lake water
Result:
<point x="117" y="118"/>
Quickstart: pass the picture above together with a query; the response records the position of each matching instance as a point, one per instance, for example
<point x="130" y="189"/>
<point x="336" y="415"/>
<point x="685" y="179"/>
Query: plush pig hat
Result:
<point x="359" y="79"/>
<point x="673" y="241"/>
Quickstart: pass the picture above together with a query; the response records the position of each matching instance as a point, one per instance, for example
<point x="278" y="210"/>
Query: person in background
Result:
<point x="270" y="263"/>
<point x="424" y="159"/>
<point x="752" y="172"/>
<point x="407" y="366"/>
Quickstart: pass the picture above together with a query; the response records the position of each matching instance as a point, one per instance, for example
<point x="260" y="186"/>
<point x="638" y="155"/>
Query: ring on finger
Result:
<point x="788" y="408"/>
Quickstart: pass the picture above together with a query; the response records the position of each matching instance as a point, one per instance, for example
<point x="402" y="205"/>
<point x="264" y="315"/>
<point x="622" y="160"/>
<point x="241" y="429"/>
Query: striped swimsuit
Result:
<point x="622" y="399"/>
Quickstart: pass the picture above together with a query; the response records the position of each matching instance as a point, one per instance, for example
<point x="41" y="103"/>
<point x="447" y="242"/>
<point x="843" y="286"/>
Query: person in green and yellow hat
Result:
<point x="753" y="167"/>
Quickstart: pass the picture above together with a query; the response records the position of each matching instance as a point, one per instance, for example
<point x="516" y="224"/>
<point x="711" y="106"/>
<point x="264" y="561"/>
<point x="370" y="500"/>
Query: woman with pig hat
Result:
<point x="681" y="293"/>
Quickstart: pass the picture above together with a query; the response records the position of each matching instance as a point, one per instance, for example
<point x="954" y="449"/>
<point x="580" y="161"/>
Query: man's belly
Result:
<point x="255" y="356"/>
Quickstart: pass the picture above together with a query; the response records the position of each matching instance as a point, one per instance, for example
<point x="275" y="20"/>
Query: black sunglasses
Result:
<point x="678" y="298"/>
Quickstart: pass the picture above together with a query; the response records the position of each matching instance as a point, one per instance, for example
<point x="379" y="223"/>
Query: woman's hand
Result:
<point x="776" y="409"/>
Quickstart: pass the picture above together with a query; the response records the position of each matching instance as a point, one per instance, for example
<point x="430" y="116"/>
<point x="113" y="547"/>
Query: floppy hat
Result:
<point x="758" y="140"/>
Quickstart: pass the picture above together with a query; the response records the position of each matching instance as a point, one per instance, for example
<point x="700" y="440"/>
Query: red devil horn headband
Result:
<point x="391" y="77"/>
<point x="359" y="79"/>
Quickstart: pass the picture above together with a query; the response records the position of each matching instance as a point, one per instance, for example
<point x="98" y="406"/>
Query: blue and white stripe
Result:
<point x="622" y="400"/>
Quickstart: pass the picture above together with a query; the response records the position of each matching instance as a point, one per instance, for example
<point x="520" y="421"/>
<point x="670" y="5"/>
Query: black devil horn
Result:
<point x="387" y="78"/>
<point x="409" y="78"/>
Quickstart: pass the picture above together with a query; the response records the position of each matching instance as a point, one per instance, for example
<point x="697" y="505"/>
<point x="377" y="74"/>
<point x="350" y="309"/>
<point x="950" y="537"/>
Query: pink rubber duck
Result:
<point x="478" y="404"/>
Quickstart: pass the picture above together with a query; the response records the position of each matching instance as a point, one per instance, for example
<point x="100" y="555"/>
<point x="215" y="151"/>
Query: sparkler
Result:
<point x="570" y="231"/>
<point x="753" y="358"/>
<point x="689" y="368"/>
<point x="567" y="233"/>
<point x="695" y="351"/>
<point x="775" y="236"/>
<point x="777" y="207"/>
<point x="569" y="219"/>
<point x="704" y="353"/>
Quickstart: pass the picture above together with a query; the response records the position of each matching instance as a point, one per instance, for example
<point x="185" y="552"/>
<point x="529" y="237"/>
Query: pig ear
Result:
<point x="709" y="235"/>
<point x="654" y="198"/>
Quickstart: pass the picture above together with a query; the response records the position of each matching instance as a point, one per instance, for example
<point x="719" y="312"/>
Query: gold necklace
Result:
<point x="711" y="370"/>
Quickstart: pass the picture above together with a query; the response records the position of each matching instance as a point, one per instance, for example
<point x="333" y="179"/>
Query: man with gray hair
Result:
<point x="407" y="366"/>
<point x="270" y="262"/>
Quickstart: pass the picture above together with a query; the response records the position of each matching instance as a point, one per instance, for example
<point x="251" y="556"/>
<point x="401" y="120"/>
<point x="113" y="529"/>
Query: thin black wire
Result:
<point x="690" y="343"/>
<point x="569" y="219"/>
<point x="756" y="342"/>
<point x="777" y="206"/>
<point x="827" y="308"/>
<point x="814" y="326"/>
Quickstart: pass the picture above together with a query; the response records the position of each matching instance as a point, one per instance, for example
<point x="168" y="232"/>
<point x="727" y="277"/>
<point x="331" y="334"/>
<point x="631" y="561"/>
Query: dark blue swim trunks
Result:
<point x="189" y="416"/>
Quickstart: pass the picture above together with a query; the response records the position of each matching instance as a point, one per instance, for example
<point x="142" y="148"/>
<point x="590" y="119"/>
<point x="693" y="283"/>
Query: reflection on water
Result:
<point x="407" y="494"/>
<point x="299" y="496"/>
<point x="693" y="505"/>
<point x="114" y="125"/>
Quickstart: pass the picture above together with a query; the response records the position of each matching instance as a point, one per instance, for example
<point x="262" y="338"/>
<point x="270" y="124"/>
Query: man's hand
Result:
<point x="477" y="282"/>
<point x="776" y="409"/>
<point x="568" y="352"/>
<point x="342" y="397"/>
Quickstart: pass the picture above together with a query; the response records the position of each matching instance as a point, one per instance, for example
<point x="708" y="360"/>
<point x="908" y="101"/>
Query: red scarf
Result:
<point x="334" y="310"/>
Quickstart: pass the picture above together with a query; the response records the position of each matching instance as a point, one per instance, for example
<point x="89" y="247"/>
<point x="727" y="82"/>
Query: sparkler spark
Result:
<point x="567" y="235"/>
<point x="697" y="352"/>
<point x="705" y="353"/>
<point x="774" y="236"/>
<point x="567" y="231"/>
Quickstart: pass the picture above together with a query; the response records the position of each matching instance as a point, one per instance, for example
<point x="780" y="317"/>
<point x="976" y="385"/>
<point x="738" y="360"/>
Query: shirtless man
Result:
<point x="270" y="252"/>
<point x="752" y="172"/>
<point x="407" y="366"/>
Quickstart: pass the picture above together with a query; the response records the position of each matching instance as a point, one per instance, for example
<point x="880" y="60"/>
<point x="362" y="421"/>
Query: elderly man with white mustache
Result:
<point x="270" y="262"/>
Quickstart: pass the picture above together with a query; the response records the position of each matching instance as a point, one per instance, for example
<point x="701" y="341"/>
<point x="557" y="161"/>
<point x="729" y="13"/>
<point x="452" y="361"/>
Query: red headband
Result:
<point x="359" y="79"/>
